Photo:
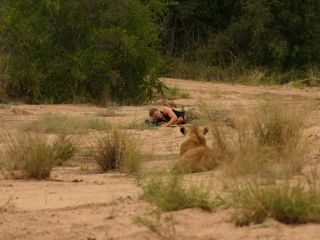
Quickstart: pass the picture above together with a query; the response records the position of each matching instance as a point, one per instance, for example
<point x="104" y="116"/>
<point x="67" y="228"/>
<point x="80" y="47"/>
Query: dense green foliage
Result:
<point x="278" y="34"/>
<point x="62" y="51"/>
<point x="84" y="50"/>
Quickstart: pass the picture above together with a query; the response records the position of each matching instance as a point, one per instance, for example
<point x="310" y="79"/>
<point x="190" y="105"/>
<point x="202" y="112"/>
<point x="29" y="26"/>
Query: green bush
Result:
<point x="223" y="40"/>
<point x="76" y="51"/>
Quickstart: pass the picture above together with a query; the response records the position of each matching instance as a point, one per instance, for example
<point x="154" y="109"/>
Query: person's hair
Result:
<point x="152" y="111"/>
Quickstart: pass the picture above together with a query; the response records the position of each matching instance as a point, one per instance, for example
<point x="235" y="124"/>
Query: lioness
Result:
<point x="195" y="155"/>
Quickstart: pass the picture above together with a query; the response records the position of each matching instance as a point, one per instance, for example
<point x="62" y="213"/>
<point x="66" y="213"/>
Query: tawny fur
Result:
<point x="195" y="155"/>
<point x="195" y="138"/>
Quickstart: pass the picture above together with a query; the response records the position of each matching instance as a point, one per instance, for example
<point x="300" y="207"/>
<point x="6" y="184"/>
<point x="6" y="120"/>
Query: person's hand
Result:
<point x="164" y="125"/>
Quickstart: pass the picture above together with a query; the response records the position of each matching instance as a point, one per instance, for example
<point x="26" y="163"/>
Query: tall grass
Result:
<point x="171" y="194"/>
<point x="118" y="151"/>
<point x="267" y="141"/>
<point x="200" y="70"/>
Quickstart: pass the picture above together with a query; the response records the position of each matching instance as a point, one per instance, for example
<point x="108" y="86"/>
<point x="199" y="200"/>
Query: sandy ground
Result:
<point x="81" y="203"/>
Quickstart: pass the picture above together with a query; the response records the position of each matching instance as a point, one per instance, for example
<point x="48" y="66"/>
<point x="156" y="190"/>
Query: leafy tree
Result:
<point x="80" y="50"/>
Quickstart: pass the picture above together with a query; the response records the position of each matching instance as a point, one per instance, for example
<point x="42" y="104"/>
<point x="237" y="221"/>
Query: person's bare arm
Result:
<point x="172" y="115"/>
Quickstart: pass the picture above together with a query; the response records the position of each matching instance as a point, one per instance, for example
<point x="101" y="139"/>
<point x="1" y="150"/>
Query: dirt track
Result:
<point x="80" y="203"/>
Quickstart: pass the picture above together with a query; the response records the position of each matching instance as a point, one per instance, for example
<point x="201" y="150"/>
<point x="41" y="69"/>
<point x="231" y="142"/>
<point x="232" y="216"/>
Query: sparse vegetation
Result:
<point x="170" y="194"/>
<point x="4" y="105"/>
<point x="172" y="93"/>
<point x="163" y="226"/>
<point x="64" y="149"/>
<point x="269" y="141"/>
<point x="66" y="125"/>
<point x="287" y="204"/>
<point x="109" y="112"/>
<point x="118" y="151"/>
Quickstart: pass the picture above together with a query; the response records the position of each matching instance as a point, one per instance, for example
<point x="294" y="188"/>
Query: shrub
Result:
<point x="30" y="154"/>
<point x="171" y="195"/>
<point x="64" y="149"/>
<point x="118" y="151"/>
<point x="287" y="204"/>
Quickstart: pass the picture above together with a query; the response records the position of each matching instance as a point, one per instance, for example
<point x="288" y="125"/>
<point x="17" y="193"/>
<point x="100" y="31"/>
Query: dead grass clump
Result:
<point x="118" y="151"/>
<point x="32" y="155"/>
<point x="66" y="125"/>
<point x="64" y="149"/>
<point x="287" y="204"/>
<point x="171" y="195"/>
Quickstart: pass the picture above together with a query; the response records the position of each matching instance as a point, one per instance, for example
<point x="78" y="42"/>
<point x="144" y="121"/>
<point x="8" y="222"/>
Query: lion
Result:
<point x="195" y="155"/>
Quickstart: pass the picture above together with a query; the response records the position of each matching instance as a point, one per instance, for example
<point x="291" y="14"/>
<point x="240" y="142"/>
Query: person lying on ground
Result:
<point x="167" y="117"/>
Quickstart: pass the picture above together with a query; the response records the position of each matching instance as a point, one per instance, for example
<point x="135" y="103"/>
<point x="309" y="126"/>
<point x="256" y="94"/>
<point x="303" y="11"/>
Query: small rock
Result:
<point x="77" y="180"/>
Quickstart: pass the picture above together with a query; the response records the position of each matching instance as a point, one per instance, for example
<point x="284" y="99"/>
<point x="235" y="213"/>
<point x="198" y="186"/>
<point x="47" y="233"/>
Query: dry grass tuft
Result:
<point x="118" y="151"/>
<point x="32" y="155"/>
<point x="254" y="202"/>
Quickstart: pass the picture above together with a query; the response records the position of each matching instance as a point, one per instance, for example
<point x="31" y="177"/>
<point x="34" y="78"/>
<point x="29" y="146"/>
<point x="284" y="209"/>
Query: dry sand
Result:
<point x="79" y="203"/>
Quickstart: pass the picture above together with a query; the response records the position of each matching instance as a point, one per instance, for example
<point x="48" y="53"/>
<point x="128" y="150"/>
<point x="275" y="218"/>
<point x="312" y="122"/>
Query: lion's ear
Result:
<point x="183" y="130"/>
<point x="205" y="130"/>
